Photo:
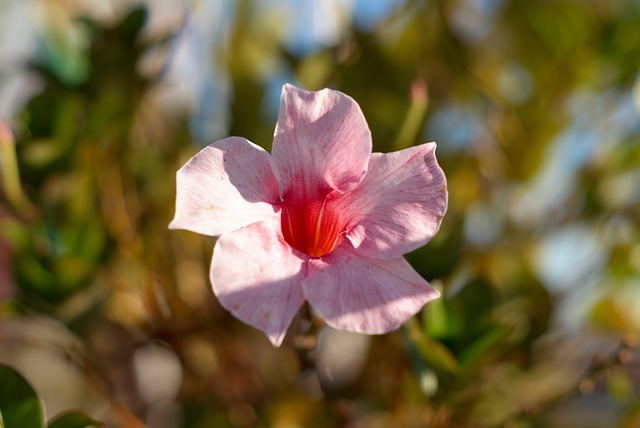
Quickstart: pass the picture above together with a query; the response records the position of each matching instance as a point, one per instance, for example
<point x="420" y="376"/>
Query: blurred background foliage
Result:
<point x="535" y="107"/>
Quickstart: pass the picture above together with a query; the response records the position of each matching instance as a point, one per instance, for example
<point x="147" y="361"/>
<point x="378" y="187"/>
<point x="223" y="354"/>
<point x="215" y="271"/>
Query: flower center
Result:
<point x="314" y="228"/>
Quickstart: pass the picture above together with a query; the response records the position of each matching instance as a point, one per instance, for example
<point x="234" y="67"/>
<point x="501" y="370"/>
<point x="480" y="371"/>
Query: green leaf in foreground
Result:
<point x="20" y="406"/>
<point x="74" y="419"/>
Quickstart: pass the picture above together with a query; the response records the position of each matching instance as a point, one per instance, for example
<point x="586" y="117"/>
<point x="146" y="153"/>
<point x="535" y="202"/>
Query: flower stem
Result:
<point x="412" y="124"/>
<point x="306" y="336"/>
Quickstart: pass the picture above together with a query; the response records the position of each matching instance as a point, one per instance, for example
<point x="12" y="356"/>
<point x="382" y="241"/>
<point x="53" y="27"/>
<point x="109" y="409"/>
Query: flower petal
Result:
<point x="399" y="205"/>
<point x="365" y="295"/>
<point x="226" y="186"/>
<point x="258" y="279"/>
<point x="322" y="143"/>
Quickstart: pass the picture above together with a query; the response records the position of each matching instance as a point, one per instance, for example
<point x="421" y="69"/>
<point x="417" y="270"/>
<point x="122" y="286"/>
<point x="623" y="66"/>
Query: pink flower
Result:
<point x="322" y="219"/>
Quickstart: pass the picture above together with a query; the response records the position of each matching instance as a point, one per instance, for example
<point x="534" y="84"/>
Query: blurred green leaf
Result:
<point x="65" y="54"/>
<point x="74" y="419"/>
<point x="20" y="406"/>
<point x="433" y="352"/>
<point x="441" y="321"/>
<point x="486" y="343"/>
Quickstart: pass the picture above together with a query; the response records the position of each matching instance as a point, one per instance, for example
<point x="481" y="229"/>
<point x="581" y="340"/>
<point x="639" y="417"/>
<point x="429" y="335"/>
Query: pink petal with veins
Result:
<point x="257" y="277"/>
<point x="399" y="205"/>
<point x="365" y="295"/>
<point x="226" y="186"/>
<point x="322" y="143"/>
